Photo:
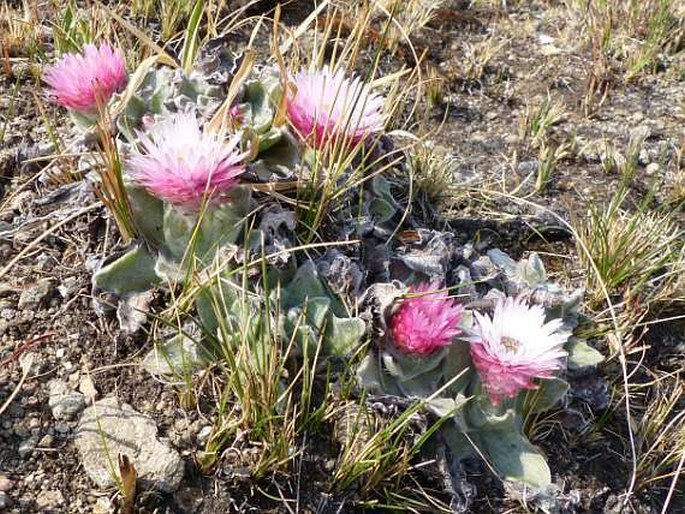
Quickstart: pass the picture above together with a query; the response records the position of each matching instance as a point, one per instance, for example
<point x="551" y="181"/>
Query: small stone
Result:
<point x="5" y="501"/>
<point x="203" y="435"/>
<point x="64" y="403"/>
<point x="87" y="387"/>
<point x="74" y="379"/>
<point x="60" y="353"/>
<point x="20" y="430"/>
<point x="103" y="506"/>
<point x="33" y="296"/>
<point x="125" y="431"/>
<point x="61" y="427"/>
<point x="47" y="441"/>
<point x="27" y="446"/>
<point x="5" y="483"/>
<point x="643" y="157"/>
<point x="652" y="168"/>
<point x="47" y="499"/>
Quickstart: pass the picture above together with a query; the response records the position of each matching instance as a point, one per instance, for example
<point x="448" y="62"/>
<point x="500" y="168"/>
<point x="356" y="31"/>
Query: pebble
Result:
<point x="64" y="403"/>
<point x="5" y="483"/>
<point x="27" y="446"/>
<point x="125" y="431"/>
<point x="652" y="168"/>
<point x="4" y="501"/>
<point x="203" y="435"/>
<point x="48" y="499"/>
<point x="87" y="387"/>
<point x="47" y="441"/>
<point x="34" y="296"/>
<point x="61" y="427"/>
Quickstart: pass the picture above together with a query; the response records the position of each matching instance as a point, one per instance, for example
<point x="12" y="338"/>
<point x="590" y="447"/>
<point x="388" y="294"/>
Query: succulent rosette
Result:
<point x="182" y="164"/>
<point x="426" y="321"/>
<point x="79" y="81"/>
<point x="515" y="346"/>
<point x="326" y="106"/>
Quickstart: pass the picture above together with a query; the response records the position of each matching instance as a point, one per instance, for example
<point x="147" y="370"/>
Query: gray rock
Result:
<point x="33" y="296"/>
<point x="125" y="431"/>
<point x="47" y="499"/>
<point x="5" y="483"/>
<point x="26" y="447"/>
<point x="5" y="501"/>
<point x="64" y="403"/>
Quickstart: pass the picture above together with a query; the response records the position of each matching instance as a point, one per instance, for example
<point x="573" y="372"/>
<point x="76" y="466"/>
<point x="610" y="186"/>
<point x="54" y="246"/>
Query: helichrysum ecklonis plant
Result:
<point x="514" y="347"/>
<point x="425" y="322"/>
<point x="80" y="81"/>
<point x="183" y="164"/>
<point x="325" y="105"/>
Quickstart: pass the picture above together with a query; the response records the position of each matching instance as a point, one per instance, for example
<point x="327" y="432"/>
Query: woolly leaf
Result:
<point x="405" y="367"/>
<point x="515" y="458"/>
<point x="132" y="272"/>
<point x="546" y="396"/>
<point x="148" y="215"/>
<point x="581" y="355"/>
<point x="343" y="335"/>
<point x="177" y="356"/>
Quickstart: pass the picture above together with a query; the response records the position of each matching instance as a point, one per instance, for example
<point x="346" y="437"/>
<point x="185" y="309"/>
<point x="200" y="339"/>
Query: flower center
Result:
<point x="510" y="344"/>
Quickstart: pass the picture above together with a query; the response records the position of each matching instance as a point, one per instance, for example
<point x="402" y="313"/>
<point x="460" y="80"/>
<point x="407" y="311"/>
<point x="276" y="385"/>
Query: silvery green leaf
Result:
<point x="148" y="215"/>
<point x="178" y="228"/>
<point x="442" y="407"/>
<point x="369" y="374"/>
<point x="515" y="458"/>
<point x="218" y="225"/>
<point x="305" y="283"/>
<point x="215" y="299"/>
<point x="458" y="361"/>
<point x="177" y="356"/>
<point x="381" y="210"/>
<point x="581" y="355"/>
<point x="261" y="111"/>
<point x="169" y="270"/>
<point x="481" y="413"/>
<point x="532" y="270"/>
<point x="132" y="272"/>
<point x="405" y="366"/>
<point x="546" y="396"/>
<point x="502" y="261"/>
<point x="343" y="335"/>
<point x="269" y="139"/>
<point x="453" y="434"/>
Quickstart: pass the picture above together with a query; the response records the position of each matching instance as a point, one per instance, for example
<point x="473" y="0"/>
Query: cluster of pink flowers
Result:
<point x="509" y="350"/>
<point x="80" y="81"/>
<point x="327" y="106"/>
<point x="185" y="165"/>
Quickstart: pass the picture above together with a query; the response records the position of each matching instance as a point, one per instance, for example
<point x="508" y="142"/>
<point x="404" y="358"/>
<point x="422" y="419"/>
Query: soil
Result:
<point x="47" y="308"/>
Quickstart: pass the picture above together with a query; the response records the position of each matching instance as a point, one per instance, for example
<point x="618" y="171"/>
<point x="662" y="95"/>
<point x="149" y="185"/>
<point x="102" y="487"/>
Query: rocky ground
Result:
<point x="65" y="362"/>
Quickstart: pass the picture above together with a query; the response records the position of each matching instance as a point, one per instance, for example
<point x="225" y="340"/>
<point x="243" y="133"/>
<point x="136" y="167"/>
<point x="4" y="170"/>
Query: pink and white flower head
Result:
<point x="514" y="347"/>
<point x="80" y="81"/>
<point x="424" y="323"/>
<point x="327" y="105"/>
<point x="184" y="165"/>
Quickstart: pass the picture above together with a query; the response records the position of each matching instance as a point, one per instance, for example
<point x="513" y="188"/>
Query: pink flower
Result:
<point x="422" y="324"/>
<point x="79" y="81"/>
<point x="183" y="165"/>
<point x="326" y="105"/>
<point x="514" y="347"/>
